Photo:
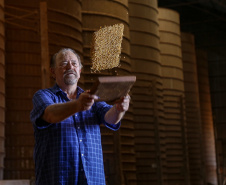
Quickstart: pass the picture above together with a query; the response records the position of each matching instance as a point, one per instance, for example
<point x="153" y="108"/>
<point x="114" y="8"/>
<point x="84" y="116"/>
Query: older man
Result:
<point x="66" y="123"/>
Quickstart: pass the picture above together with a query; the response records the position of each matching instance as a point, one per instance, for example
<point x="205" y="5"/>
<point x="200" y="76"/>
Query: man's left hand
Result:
<point x="123" y="104"/>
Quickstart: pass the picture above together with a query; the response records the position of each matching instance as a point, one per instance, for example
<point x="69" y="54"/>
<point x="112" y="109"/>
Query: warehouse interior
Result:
<point x="174" y="131"/>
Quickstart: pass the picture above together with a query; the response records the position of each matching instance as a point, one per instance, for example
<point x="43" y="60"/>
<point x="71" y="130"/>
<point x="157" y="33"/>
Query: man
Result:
<point x="66" y="123"/>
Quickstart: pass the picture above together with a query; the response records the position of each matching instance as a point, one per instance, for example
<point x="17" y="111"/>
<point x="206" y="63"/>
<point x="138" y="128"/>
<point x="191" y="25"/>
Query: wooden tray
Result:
<point x="112" y="88"/>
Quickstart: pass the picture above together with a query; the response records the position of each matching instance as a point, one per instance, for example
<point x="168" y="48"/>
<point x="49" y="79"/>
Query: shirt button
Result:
<point x="76" y="115"/>
<point x="80" y="140"/>
<point x="78" y="127"/>
<point x="82" y="154"/>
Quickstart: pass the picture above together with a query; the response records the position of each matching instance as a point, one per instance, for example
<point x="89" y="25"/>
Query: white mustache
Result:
<point x="70" y="72"/>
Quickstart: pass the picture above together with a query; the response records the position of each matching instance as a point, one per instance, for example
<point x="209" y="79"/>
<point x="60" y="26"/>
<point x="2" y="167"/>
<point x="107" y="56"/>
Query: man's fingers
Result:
<point x="94" y="97"/>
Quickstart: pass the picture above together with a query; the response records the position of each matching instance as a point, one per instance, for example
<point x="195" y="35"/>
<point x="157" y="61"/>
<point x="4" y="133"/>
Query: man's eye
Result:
<point x="74" y="64"/>
<point x="64" y="64"/>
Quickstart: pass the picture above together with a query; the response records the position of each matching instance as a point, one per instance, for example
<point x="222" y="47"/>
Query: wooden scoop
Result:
<point x="112" y="88"/>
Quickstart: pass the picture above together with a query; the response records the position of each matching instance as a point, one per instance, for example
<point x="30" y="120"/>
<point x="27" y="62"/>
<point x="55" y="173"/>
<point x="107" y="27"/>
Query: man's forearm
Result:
<point x="116" y="113"/>
<point x="58" y="112"/>
<point x="113" y="116"/>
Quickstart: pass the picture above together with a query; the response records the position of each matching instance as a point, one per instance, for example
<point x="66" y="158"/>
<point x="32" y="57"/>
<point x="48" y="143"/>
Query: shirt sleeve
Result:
<point x="102" y="108"/>
<point x="41" y="100"/>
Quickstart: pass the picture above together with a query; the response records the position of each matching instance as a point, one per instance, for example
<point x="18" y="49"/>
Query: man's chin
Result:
<point x="70" y="81"/>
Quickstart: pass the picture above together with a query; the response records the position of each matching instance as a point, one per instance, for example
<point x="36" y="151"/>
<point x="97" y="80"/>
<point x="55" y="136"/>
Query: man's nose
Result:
<point x="69" y="65"/>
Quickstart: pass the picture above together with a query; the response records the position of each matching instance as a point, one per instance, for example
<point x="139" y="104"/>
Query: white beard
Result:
<point x="70" y="79"/>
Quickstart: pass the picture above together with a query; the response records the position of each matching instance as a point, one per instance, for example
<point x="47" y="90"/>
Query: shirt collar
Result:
<point x="56" y="89"/>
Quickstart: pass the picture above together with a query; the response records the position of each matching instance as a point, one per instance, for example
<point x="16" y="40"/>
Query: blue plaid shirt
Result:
<point x="61" y="147"/>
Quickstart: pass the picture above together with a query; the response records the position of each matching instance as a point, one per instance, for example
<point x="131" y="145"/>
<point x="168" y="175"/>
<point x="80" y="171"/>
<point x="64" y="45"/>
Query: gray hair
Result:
<point x="53" y="58"/>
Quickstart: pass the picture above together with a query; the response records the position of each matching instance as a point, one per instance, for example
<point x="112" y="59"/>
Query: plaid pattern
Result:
<point x="65" y="151"/>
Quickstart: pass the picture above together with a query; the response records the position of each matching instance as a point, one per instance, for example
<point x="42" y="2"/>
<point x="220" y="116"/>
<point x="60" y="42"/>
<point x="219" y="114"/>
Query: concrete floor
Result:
<point x="15" y="182"/>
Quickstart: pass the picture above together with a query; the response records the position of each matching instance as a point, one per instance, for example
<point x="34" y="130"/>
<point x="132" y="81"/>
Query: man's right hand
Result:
<point x="86" y="100"/>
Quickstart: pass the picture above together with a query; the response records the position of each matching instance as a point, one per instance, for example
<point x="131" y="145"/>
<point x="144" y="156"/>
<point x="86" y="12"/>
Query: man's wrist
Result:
<point x="116" y="110"/>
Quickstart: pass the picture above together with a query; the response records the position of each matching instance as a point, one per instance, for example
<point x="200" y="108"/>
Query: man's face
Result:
<point x="67" y="70"/>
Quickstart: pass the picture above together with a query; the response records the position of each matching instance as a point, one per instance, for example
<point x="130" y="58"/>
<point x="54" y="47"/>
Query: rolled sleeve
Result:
<point x="41" y="100"/>
<point x="113" y="126"/>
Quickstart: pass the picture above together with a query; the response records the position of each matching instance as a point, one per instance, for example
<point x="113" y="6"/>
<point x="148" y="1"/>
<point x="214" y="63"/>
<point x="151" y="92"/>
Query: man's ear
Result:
<point x="52" y="71"/>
